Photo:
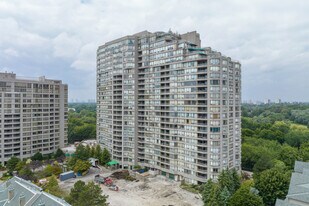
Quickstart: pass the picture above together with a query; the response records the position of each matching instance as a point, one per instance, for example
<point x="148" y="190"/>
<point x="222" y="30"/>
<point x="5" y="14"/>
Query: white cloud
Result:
<point x="267" y="37"/>
<point x="11" y="52"/>
<point x="86" y="59"/>
<point x="66" y="46"/>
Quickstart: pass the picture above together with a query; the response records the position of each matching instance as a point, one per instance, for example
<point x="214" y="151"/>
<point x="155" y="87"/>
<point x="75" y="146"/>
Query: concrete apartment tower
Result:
<point x="33" y="116"/>
<point x="168" y="104"/>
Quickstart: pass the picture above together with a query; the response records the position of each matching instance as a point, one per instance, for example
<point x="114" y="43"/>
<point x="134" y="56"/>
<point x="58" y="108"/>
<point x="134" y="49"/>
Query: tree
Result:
<point x="289" y="155"/>
<point x="297" y="135"/>
<point x="214" y="197"/>
<point x="20" y="165"/>
<point x="92" y="152"/>
<point x="247" y="132"/>
<point x="85" y="131"/>
<point x="97" y="152"/>
<point x="26" y="173"/>
<point x="52" y="170"/>
<point x="71" y="162"/>
<point x="249" y="156"/>
<point x="11" y="163"/>
<point x="207" y="190"/>
<point x="267" y="134"/>
<point x="35" y="164"/>
<point x="88" y="151"/>
<point x="280" y="165"/>
<point x="304" y="151"/>
<point x="60" y="159"/>
<point x="229" y="179"/>
<point x="1" y="167"/>
<point x="255" y="149"/>
<point x="59" y="153"/>
<point x="37" y="156"/>
<point x="82" y="166"/>
<point x="245" y="196"/>
<point x="81" y="152"/>
<point x="53" y="188"/>
<point x="283" y="127"/>
<point x="272" y="184"/>
<point x="265" y="162"/>
<point x="90" y="194"/>
<point x="219" y="193"/>
<point x="105" y="157"/>
<point x="224" y="196"/>
<point x="76" y="191"/>
<point x="56" y="169"/>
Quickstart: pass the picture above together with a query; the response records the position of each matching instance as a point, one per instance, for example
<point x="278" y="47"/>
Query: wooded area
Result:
<point x="82" y="122"/>
<point x="274" y="136"/>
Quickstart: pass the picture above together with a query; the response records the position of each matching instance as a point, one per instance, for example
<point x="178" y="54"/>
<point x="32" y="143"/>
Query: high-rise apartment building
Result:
<point x="166" y="103"/>
<point x="33" y="116"/>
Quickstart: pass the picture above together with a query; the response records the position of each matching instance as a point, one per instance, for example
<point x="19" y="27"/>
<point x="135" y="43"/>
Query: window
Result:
<point x="214" y="129"/>
<point x="214" y="82"/>
<point x="214" y="61"/>
<point x="215" y="69"/>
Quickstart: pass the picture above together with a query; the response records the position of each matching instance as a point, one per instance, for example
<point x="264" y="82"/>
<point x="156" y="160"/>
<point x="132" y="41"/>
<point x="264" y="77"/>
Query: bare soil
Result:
<point x="157" y="191"/>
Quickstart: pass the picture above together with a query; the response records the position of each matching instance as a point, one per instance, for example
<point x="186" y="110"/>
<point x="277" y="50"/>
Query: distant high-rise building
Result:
<point x="267" y="101"/>
<point x="33" y="116"/>
<point x="166" y="103"/>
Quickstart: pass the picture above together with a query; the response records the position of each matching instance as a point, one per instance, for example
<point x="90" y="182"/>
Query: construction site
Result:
<point x="135" y="189"/>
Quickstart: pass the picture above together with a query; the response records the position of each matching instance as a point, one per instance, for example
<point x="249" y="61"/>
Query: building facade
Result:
<point x="168" y="104"/>
<point x="33" y="116"/>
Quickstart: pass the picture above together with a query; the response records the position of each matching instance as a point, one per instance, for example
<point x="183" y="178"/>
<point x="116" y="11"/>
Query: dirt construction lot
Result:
<point x="156" y="191"/>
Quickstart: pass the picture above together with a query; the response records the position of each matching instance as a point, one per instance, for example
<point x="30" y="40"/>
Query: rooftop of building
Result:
<point x="298" y="193"/>
<point x="19" y="192"/>
<point x="192" y="36"/>
<point x="5" y="76"/>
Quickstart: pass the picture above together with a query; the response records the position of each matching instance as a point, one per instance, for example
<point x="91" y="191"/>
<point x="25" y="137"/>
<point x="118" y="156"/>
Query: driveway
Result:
<point x="68" y="184"/>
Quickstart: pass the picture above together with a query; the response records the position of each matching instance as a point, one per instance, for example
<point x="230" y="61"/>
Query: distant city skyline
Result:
<point x="59" y="39"/>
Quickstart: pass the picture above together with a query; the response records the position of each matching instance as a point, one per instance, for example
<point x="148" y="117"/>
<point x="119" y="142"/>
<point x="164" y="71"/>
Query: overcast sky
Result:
<point x="59" y="38"/>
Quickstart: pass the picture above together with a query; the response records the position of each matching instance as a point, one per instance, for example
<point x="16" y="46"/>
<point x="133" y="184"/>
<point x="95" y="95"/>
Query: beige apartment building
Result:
<point x="168" y="104"/>
<point x="33" y="116"/>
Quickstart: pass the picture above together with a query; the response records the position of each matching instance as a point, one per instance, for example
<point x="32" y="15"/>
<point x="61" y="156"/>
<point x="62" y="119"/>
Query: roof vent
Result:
<point x="8" y="183"/>
<point x="22" y="199"/>
<point x="41" y="203"/>
<point x="10" y="193"/>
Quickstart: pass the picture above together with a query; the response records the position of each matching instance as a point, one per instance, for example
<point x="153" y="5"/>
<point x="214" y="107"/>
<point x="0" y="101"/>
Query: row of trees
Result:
<point x="29" y="169"/>
<point x="232" y="190"/>
<point x="273" y="183"/>
<point x="79" y="107"/>
<point x="80" y="162"/>
<point x="80" y="195"/>
<point x="86" y="194"/>
<point x="270" y="137"/>
<point x="85" y="152"/>
<point x="260" y="154"/>
<point x="228" y="190"/>
<point x="82" y="122"/>
<point x="281" y="131"/>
